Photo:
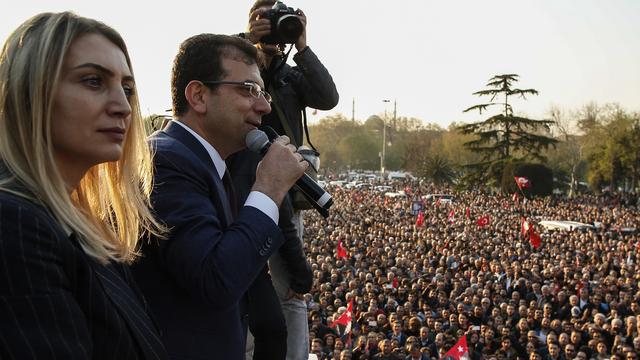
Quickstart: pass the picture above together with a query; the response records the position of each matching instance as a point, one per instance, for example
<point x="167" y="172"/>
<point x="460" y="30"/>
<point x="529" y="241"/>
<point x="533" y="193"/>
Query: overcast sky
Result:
<point x="428" y="55"/>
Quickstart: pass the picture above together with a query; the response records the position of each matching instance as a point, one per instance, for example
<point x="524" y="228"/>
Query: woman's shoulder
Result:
<point x="23" y="217"/>
<point x="28" y="208"/>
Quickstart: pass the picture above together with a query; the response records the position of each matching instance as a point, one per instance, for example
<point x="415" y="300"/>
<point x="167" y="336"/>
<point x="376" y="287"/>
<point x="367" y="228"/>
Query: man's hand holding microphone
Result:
<point x="280" y="168"/>
<point x="272" y="179"/>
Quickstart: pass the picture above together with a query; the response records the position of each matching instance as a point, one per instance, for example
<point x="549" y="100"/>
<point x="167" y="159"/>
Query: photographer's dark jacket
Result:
<point x="308" y="84"/>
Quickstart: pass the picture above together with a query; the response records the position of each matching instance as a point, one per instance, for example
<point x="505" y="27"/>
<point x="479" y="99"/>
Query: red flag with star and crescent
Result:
<point x="345" y="319"/>
<point x="534" y="239"/>
<point x="524" y="226"/>
<point x="483" y="221"/>
<point x="459" y="351"/>
<point x="522" y="182"/>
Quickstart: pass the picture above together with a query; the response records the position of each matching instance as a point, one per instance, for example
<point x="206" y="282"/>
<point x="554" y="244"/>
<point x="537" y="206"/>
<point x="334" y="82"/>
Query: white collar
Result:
<point x="220" y="165"/>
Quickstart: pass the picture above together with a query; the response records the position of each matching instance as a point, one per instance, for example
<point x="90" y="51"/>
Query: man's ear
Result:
<point x="196" y="95"/>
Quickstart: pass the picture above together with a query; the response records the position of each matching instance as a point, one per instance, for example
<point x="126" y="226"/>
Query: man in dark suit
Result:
<point x="195" y="280"/>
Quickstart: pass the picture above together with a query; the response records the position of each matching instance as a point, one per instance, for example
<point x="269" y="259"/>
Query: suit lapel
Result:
<point x="129" y="308"/>
<point x="177" y="132"/>
<point x="127" y="304"/>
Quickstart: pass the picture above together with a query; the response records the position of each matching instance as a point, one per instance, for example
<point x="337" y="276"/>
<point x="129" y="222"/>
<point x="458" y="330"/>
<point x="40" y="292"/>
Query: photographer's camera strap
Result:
<point x="281" y="116"/>
<point x="285" y="124"/>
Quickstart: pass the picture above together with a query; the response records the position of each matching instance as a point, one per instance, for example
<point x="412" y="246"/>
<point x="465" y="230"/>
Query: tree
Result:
<point x="612" y="149"/>
<point x="437" y="169"/>
<point x="566" y="161"/>
<point x="505" y="137"/>
<point x="359" y="151"/>
<point x="451" y="146"/>
<point x="326" y="134"/>
<point x="154" y="122"/>
<point x="413" y="147"/>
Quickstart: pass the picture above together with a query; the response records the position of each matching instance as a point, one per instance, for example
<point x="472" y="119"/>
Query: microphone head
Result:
<point x="256" y="140"/>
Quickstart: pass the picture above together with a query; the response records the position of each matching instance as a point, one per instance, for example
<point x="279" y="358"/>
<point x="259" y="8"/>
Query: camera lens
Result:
<point x="289" y="28"/>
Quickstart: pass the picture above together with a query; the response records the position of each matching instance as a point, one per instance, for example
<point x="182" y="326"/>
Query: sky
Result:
<point x="428" y="56"/>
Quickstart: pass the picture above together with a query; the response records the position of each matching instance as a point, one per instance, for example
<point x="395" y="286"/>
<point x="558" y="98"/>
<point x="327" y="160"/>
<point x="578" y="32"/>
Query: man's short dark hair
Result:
<point x="261" y="3"/>
<point x="200" y="58"/>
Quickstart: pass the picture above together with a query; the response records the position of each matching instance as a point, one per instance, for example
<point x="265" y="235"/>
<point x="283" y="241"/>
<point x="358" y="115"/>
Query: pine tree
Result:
<point x="504" y="137"/>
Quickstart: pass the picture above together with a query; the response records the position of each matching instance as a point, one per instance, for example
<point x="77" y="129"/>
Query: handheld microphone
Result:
<point x="257" y="141"/>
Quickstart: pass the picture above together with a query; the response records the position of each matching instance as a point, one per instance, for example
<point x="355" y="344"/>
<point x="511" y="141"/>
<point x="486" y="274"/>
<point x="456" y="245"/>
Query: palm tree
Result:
<point x="439" y="170"/>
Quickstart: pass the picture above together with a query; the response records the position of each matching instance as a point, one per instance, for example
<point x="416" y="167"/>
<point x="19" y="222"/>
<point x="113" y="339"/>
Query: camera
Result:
<point x="286" y="27"/>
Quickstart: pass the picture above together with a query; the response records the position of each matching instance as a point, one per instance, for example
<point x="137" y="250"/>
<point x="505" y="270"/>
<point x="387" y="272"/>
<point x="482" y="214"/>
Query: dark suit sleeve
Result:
<point x="292" y="253"/>
<point x="39" y="316"/>
<point x="242" y="166"/>
<point x="212" y="262"/>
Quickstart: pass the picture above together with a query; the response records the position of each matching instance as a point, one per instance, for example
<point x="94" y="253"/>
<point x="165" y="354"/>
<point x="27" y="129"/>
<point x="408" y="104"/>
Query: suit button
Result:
<point x="261" y="252"/>
<point x="269" y="241"/>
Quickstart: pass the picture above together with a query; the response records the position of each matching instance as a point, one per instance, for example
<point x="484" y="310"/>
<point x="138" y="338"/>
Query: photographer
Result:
<point x="293" y="89"/>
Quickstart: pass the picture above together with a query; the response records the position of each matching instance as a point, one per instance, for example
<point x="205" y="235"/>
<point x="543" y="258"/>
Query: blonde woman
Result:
<point x="75" y="178"/>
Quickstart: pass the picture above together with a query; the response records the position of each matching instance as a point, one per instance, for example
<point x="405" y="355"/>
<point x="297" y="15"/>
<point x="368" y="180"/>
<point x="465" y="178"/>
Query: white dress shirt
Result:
<point x="255" y="199"/>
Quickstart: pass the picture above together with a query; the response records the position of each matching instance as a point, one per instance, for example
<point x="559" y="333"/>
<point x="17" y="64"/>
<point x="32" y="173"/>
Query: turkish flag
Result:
<point x="522" y="182"/>
<point x="524" y="226"/>
<point x="345" y="319"/>
<point x="483" y="221"/>
<point x="420" y="219"/>
<point x="459" y="351"/>
<point x="342" y="253"/>
<point x="395" y="282"/>
<point x="452" y="213"/>
<point x="534" y="239"/>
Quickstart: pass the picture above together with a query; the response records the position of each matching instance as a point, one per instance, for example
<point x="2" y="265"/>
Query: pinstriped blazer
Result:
<point x="58" y="303"/>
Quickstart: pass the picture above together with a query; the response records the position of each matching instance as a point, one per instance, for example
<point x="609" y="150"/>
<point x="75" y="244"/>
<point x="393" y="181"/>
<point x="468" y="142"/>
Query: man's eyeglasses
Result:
<point x="254" y="89"/>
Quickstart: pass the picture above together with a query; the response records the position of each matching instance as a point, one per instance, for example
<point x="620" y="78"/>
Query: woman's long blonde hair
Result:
<point x="109" y="209"/>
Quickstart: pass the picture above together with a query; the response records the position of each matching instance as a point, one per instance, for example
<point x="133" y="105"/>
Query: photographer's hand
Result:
<point x="292" y="294"/>
<point x="301" y="43"/>
<point x="258" y="26"/>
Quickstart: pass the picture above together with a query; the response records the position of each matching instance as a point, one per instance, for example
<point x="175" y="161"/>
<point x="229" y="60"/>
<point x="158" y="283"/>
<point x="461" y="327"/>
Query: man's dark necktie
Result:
<point x="231" y="193"/>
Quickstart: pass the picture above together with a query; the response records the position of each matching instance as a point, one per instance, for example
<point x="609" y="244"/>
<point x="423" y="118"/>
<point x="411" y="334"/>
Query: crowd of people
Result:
<point x="417" y="289"/>
<point x="390" y="277"/>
